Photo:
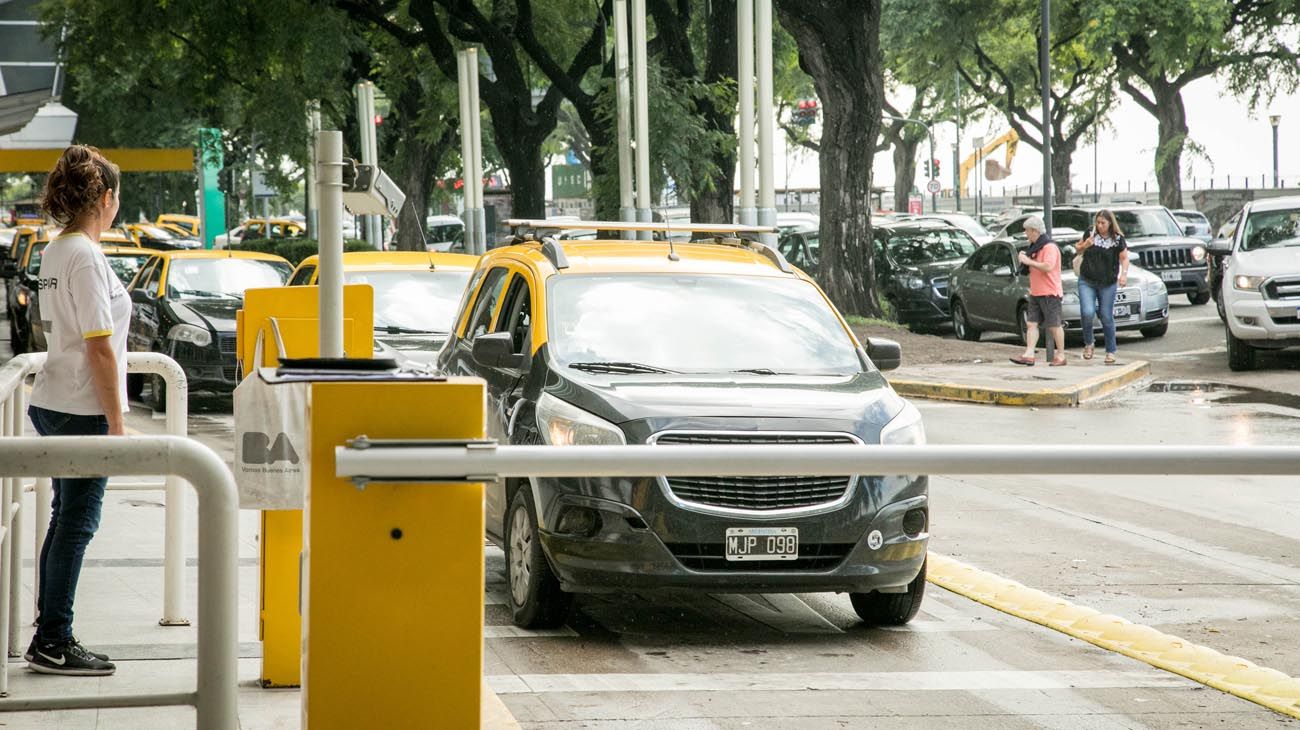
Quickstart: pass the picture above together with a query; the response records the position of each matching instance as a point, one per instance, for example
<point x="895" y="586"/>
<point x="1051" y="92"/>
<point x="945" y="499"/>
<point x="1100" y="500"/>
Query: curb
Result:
<point x="1236" y="676"/>
<point x="496" y="716"/>
<point x="1095" y="387"/>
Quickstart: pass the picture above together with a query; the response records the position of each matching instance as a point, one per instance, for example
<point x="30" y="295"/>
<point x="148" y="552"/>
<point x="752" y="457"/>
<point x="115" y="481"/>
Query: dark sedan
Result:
<point x="184" y="306"/>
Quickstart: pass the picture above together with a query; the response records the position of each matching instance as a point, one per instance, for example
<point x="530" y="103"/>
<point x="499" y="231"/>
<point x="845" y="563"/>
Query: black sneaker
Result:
<point x="69" y="658"/>
<point x="31" y="651"/>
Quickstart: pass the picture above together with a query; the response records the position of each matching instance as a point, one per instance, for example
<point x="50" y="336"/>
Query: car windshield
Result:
<point x="34" y="261"/>
<point x="413" y="301"/>
<point x="912" y="248"/>
<point x="698" y="323"/>
<point x="1191" y="217"/>
<point x="125" y="265"/>
<point x="155" y="232"/>
<point x="222" y="278"/>
<point x="1272" y="229"/>
<point x="1148" y="223"/>
<point x="444" y="232"/>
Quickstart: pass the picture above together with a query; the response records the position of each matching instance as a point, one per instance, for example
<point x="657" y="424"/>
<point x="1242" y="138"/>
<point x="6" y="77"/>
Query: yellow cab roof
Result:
<point x="110" y="250"/>
<point x="178" y="217"/>
<point x="396" y="260"/>
<point x="224" y="253"/>
<point x="648" y="257"/>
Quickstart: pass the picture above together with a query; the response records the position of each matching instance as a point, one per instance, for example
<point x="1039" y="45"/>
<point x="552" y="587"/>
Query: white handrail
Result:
<point x="216" y="695"/>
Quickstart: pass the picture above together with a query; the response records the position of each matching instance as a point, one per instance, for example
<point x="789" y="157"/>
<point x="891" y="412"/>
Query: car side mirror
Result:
<point x="1002" y="271"/>
<point x="1219" y="247"/>
<point x="141" y="296"/>
<point x="886" y="354"/>
<point x="497" y="350"/>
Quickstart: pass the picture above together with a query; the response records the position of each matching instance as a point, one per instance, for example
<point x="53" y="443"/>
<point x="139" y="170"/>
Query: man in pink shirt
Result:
<point x="1043" y="259"/>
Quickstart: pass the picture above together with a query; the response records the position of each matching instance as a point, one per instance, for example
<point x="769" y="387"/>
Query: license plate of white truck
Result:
<point x="762" y="543"/>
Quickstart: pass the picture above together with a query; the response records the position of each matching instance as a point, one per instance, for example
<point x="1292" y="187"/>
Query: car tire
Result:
<point x="157" y="399"/>
<point x="890" y="609"/>
<point x="1157" y="331"/>
<point x="1223" y="310"/>
<point x="1241" y="356"/>
<point x="1198" y="298"/>
<point x="134" y="386"/>
<point x="961" y="323"/>
<point x="536" y="601"/>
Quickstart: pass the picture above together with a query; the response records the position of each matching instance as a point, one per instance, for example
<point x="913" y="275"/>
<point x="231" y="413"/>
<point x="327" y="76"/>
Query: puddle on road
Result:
<point x="1223" y="394"/>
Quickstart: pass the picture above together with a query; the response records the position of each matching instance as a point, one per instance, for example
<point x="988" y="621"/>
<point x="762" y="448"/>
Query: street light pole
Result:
<point x="1045" y="83"/>
<point x="1275" y="120"/>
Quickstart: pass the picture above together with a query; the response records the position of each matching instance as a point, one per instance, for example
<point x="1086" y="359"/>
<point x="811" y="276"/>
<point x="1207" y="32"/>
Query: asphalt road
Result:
<point x="1215" y="560"/>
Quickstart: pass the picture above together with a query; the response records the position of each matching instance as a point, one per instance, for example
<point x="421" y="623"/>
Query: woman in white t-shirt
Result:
<point x="82" y="389"/>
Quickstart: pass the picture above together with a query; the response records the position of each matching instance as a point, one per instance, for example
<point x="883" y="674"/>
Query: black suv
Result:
<point x="1163" y="246"/>
<point x="640" y="342"/>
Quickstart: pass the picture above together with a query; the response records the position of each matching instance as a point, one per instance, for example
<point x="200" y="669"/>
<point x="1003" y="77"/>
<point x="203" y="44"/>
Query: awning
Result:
<point x="17" y="110"/>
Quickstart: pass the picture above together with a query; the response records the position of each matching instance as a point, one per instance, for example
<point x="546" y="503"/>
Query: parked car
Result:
<point x="616" y="342"/>
<point x="979" y="233"/>
<point x="184" y="305"/>
<point x="20" y="282"/>
<point x="1152" y="233"/>
<point x="416" y="295"/>
<point x="1261" y="280"/>
<point x="182" y="225"/>
<point x="444" y="232"/>
<point x="1195" y="224"/>
<point x="153" y="237"/>
<point x="988" y="295"/>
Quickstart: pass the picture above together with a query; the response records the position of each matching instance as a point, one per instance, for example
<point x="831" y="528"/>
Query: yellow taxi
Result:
<point x="151" y="236"/>
<point x="184" y="225"/>
<point x="718" y="341"/>
<point x="272" y="228"/>
<point x="20" y="283"/>
<point x="184" y="305"/>
<point x="416" y="295"/>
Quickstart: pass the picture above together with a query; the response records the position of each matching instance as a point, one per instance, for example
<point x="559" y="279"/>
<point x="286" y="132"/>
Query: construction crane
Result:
<point x="992" y="170"/>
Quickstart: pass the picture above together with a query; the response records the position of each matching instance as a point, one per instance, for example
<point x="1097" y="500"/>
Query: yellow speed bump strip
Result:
<point x="1234" y="675"/>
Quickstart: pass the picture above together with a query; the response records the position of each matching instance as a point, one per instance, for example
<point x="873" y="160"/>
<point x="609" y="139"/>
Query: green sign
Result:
<point x="212" y="202"/>
<point x="569" y="181"/>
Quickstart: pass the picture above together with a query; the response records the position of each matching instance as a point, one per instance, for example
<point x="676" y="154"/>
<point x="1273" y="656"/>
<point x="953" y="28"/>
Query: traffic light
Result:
<point x="929" y="171"/>
<point x="935" y="168"/>
<point x="806" y="113"/>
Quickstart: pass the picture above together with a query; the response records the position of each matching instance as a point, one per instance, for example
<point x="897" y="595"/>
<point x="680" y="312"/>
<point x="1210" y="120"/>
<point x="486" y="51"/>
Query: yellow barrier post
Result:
<point x="393" y="573"/>
<point x="295" y="311"/>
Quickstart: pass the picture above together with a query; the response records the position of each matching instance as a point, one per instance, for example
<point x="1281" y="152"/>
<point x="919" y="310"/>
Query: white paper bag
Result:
<point x="270" y="437"/>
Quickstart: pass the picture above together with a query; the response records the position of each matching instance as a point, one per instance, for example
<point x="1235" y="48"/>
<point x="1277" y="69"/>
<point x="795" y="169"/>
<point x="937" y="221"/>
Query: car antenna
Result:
<point x="423" y="238"/>
<point x="668" y="234"/>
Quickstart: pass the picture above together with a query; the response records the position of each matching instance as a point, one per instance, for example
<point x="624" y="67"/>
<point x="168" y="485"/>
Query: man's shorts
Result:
<point x="1045" y="310"/>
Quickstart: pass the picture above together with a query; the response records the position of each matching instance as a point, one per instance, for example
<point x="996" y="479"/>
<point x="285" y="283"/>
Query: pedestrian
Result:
<point x="80" y="392"/>
<point x="1103" y="273"/>
<point x="1043" y="260"/>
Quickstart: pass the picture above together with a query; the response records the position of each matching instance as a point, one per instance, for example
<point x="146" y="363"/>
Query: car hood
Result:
<point x="218" y="314"/>
<point x="419" y="348"/>
<point x="1140" y="243"/>
<point x="858" y="397"/>
<point x="1279" y="261"/>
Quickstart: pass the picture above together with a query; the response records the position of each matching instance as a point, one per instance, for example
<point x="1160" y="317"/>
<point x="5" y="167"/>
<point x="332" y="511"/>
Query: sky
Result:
<point x="1237" y="142"/>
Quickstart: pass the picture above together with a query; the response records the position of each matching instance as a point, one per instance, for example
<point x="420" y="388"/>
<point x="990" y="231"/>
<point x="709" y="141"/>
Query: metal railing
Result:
<point x="216" y="691"/>
<point x="13" y="404"/>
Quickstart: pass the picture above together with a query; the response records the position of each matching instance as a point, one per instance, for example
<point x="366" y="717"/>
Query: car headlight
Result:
<point x="1070" y="298"/>
<point x="1198" y="253"/>
<point x="913" y="282"/>
<point x="1247" y="283"/>
<point x="904" y="429"/>
<point x="1153" y="287"/>
<point x="562" y="424"/>
<point x="193" y="334"/>
<point x="22" y="298"/>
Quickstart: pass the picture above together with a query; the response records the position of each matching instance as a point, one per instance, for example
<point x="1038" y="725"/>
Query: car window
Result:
<point x="999" y="257"/>
<point x="793" y="249"/>
<point x="1079" y="220"/>
<point x="978" y="259"/>
<point x="480" y="320"/>
<point x="1147" y="223"/>
<point x="303" y="276"/>
<point x="125" y="266"/>
<point x="34" y="259"/>
<point x="1271" y="229"/>
<point x="516" y="315"/>
<point x="1014" y="227"/>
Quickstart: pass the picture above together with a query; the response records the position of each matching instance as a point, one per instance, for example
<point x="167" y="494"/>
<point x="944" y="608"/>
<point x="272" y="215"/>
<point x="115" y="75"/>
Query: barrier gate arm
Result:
<point x="363" y="460"/>
<point x="216" y="692"/>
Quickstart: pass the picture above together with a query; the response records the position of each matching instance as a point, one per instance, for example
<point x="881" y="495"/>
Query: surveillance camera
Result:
<point x="368" y="191"/>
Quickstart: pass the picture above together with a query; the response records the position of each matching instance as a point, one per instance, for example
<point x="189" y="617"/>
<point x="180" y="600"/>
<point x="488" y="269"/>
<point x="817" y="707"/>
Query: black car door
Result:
<point x="506" y="386"/>
<point x="145" y="303"/>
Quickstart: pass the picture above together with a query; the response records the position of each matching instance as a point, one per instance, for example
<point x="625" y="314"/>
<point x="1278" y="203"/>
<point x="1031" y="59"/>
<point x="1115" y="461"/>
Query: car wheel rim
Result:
<point x="521" y="555"/>
<point x="959" y="322"/>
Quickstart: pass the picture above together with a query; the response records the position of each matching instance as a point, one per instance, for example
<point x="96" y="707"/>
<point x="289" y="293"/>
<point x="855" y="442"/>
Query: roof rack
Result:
<point x="569" y="225"/>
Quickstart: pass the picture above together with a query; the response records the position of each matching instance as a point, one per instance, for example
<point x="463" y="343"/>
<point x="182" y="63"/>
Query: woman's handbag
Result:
<point x="1076" y="263"/>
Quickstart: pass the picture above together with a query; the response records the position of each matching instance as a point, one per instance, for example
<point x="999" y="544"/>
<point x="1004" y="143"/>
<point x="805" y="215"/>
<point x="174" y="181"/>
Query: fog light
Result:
<point x="914" y="522"/>
<point x="579" y="521"/>
<point x="1248" y="321"/>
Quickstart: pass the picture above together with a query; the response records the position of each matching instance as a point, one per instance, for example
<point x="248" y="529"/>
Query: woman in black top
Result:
<point x="1103" y="272"/>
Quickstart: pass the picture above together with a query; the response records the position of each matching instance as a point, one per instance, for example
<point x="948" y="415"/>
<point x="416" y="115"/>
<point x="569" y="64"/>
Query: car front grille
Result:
<point x="757" y="494"/>
<point x="1283" y="288"/>
<point x="1167" y="257"/>
<point x="711" y="556"/>
<point x="227" y="343"/>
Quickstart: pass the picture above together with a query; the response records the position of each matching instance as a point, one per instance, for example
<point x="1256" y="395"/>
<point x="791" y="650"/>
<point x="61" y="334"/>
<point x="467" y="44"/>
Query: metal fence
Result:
<point x="13" y="405"/>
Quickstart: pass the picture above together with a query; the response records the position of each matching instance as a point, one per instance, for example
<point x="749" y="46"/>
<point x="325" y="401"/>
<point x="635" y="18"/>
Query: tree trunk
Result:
<point x="839" y="46"/>
<point x="417" y="164"/>
<point x="717" y="205"/>
<point x="523" y="159"/>
<point x="1171" y="127"/>
<point x="904" y="170"/>
<point x="1061" y="155"/>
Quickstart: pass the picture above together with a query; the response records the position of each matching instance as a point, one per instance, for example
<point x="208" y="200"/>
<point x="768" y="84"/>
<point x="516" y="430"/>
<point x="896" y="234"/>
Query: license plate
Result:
<point x="1121" y="311"/>
<point x="762" y="543"/>
<point x="1171" y="275"/>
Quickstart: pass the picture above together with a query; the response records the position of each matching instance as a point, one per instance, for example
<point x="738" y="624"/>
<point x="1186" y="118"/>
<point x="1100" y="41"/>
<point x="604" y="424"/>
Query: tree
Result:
<point x="1161" y="47"/>
<point x="839" y="47"/>
<point x="904" y="138"/>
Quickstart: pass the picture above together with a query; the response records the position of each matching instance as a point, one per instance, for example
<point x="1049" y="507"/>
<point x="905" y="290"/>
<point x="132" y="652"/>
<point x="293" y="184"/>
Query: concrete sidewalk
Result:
<point x="1001" y="382"/>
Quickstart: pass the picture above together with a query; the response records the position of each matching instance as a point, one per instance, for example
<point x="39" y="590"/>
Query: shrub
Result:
<point x="294" y="249"/>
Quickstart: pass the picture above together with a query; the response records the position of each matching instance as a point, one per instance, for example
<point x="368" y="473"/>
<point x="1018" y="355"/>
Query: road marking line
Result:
<point x="1234" y="675"/>
<point x="514" y="632"/>
<point x="784" y="612"/>
<point x="834" y="681"/>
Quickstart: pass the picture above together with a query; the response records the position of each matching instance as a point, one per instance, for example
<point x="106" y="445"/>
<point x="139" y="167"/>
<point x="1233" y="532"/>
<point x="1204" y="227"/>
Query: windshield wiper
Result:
<point x="393" y="329"/>
<point x="617" y="367"/>
<point x="208" y="294"/>
<point x="760" y="371"/>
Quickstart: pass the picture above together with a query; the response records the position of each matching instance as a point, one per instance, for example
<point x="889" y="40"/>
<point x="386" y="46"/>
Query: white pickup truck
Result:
<point x="1261" y="280"/>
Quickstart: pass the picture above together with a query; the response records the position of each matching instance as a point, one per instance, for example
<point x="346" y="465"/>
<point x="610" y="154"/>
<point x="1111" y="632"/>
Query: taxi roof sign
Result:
<point x="569" y="225"/>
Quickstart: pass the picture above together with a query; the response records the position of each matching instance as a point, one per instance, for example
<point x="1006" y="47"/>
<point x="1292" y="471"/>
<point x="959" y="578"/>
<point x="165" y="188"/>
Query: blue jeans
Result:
<point x="73" y="521"/>
<point x="1098" y="301"/>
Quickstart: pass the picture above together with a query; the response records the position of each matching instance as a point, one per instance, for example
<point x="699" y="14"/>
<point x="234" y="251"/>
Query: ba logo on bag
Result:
<point x="258" y="449"/>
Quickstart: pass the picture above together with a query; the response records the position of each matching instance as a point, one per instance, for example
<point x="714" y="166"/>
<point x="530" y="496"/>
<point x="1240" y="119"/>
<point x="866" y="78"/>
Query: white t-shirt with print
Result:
<point x="81" y="298"/>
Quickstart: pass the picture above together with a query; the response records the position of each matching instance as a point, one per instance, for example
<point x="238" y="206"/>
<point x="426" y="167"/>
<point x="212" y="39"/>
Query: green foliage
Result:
<point x="294" y="250"/>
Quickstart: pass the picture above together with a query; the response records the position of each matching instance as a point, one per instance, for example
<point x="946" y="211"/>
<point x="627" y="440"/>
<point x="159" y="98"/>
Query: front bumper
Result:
<point x="1268" y="323"/>
<point x="1189" y="281"/>
<point x="206" y="369"/>
<point x="924" y="306"/>
<point x="1153" y="311"/>
<point x="648" y="541"/>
